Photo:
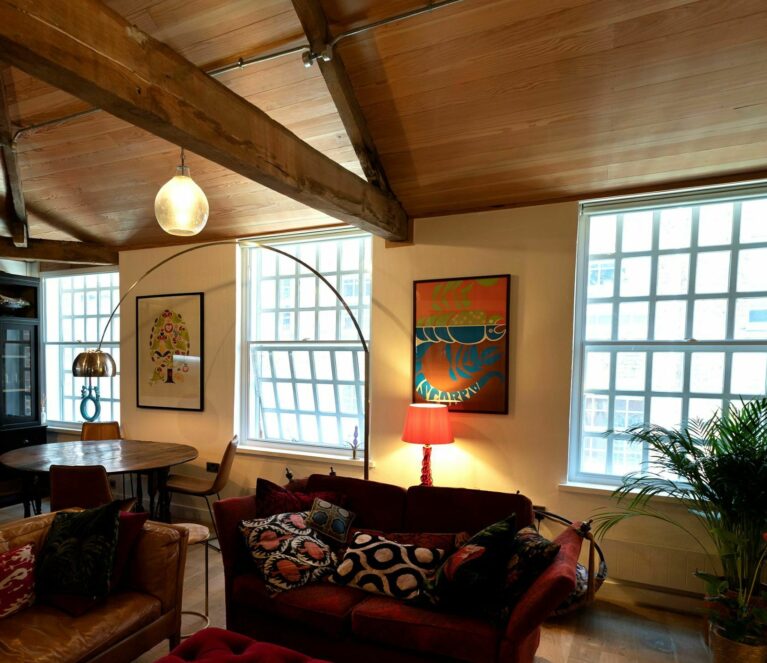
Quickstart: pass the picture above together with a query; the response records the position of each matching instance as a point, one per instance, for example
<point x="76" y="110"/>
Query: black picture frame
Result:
<point x="152" y="363"/>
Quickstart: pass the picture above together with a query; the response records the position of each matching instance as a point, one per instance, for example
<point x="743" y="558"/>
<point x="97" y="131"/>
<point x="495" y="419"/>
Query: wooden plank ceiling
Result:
<point x="483" y="104"/>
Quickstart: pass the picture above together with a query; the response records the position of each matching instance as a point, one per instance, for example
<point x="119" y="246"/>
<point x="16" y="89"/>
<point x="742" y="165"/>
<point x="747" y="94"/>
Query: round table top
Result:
<point x="117" y="456"/>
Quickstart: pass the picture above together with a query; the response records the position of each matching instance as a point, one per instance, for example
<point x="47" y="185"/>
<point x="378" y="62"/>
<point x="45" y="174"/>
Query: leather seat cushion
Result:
<point x="181" y="483"/>
<point x="46" y="635"/>
<point x="215" y="645"/>
<point x="322" y="606"/>
<point x="398" y="624"/>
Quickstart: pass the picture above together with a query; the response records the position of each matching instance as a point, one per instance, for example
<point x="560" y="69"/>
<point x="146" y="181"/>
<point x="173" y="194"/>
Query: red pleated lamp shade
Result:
<point x="427" y="423"/>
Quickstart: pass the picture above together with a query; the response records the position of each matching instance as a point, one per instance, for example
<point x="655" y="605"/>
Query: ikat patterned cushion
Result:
<point x="17" y="579"/>
<point x="378" y="565"/>
<point x="286" y="551"/>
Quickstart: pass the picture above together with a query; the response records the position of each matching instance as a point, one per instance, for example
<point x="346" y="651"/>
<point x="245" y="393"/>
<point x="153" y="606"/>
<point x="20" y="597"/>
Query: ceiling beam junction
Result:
<point x="317" y="30"/>
<point x="90" y="51"/>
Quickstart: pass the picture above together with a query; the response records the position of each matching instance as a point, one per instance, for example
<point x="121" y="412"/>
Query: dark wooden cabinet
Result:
<point x="20" y="374"/>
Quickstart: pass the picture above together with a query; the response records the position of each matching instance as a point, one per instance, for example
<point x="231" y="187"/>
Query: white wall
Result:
<point x="525" y="450"/>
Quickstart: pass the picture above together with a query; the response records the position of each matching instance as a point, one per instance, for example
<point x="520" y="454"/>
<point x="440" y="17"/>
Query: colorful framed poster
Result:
<point x="169" y="351"/>
<point x="461" y="352"/>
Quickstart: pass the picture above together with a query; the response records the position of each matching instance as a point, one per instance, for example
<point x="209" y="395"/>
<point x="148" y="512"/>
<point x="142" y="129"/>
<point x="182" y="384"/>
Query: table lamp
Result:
<point x="427" y="424"/>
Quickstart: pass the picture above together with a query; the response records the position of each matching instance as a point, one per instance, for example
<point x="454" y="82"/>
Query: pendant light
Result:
<point x="181" y="207"/>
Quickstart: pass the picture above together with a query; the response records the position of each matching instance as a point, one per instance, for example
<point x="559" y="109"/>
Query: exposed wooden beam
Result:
<point x="15" y="213"/>
<point x="47" y="250"/>
<point x="315" y="25"/>
<point x="92" y="52"/>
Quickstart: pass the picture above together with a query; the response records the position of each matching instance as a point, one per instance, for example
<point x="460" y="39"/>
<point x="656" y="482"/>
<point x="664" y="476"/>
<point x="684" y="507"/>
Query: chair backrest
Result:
<point x="86" y="486"/>
<point x="106" y="430"/>
<point x="225" y="468"/>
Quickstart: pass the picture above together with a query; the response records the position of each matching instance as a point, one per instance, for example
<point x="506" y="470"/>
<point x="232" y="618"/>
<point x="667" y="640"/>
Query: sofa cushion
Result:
<point x="17" y="579"/>
<point x="381" y="566"/>
<point x="398" y="624"/>
<point x="46" y="635"/>
<point x="377" y="505"/>
<point x="324" y="607"/>
<point x="437" y="509"/>
<point x="472" y="579"/>
<point x="286" y="551"/>
<point x="531" y="555"/>
<point x="330" y="520"/>
<point x="78" y="552"/>
<point x="130" y="526"/>
<point x="215" y="645"/>
<point x="272" y="499"/>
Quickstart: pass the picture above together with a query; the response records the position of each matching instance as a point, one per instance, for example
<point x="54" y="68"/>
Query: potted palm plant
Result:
<point x="717" y="469"/>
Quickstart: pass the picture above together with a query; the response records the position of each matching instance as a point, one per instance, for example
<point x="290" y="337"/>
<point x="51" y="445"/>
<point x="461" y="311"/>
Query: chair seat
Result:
<point x="180" y="483"/>
<point x="197" y="533"/>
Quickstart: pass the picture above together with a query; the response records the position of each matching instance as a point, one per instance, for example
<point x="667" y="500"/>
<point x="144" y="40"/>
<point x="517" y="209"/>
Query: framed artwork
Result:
<point x="169" y="351"/>
<point x="461" y="343"/>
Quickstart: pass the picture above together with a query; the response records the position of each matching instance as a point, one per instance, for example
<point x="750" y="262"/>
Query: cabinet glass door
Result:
<point x="18" y="379"/>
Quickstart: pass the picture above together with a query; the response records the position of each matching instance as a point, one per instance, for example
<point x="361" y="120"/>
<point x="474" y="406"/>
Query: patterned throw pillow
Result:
<point x="471" y="579"/>
<point x="531" y="555"/>
<point x="78" y="553"/>
<point x="272" y="499"/>
<point x="286" y="551"/>
<point x="381" y="566"/>
<point x="17" y="579"/>
<point x="331" y="520"/>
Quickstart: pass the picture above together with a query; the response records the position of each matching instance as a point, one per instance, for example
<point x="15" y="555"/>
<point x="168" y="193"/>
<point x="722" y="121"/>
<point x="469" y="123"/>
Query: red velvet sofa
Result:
<point x="346" y="624"/>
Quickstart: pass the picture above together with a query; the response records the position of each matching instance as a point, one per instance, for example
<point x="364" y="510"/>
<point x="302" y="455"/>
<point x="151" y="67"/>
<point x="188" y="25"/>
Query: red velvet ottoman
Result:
<point x="215" y="645"/>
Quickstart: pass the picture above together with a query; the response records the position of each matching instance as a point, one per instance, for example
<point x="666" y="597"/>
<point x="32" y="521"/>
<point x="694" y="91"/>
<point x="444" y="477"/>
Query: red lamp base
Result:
<point x="426" y="466"/>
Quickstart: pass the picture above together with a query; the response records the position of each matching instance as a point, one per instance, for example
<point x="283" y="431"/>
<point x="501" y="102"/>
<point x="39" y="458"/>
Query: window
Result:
<point x="303" y="364"/>
<point x="76" y="310"/>
<point x="671" y="318"/>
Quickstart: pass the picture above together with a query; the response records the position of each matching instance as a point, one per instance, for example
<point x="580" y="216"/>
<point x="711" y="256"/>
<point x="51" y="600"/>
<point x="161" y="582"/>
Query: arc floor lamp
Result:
<point x="98" y="363"/>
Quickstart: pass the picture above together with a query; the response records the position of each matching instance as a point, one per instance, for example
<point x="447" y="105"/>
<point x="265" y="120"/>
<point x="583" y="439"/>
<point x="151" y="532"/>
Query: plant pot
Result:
<point x="729" y="651"/>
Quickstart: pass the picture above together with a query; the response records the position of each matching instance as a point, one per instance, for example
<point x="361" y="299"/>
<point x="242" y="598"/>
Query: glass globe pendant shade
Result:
<point x="181" y="207"/>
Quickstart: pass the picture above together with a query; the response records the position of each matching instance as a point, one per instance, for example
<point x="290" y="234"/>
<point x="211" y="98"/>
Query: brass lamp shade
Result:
<point x="94" y="364"/>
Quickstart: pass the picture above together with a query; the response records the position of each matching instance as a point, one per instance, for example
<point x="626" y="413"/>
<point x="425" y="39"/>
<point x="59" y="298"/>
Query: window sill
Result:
<point x="600" y="489"/>
<point x="288" y="454"/>
<point x="54" y="427"/>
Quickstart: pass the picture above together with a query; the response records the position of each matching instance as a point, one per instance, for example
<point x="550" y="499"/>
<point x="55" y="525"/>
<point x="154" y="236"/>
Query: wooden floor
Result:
<point x="604" y="633"/>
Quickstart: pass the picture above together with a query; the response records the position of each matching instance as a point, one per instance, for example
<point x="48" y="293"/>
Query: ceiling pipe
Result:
<point x="308" y="58"/>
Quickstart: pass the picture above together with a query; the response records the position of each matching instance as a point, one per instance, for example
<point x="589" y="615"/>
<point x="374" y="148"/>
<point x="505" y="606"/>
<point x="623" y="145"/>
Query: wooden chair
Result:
<point x="85" y="486"/>
<point x="104" y="430"/>
<point x="186" y="485"/>
<point x="93" y="431"/>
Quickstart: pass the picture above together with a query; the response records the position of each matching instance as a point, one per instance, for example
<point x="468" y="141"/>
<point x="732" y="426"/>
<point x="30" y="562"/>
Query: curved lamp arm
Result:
<point x="268" y="247"/>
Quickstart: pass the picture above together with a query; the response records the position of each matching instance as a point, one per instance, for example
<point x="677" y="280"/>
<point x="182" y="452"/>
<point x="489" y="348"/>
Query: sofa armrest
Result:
<point x="552" y="587"/>
<point x="157" y="566"/>
<point x="229" y="512"/>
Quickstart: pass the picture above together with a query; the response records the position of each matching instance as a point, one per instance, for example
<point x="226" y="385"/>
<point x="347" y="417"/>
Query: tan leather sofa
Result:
<point x="127" y="624"/>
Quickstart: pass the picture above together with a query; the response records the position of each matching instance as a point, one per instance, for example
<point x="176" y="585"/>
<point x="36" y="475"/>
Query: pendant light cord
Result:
<point x="183" y="163"/>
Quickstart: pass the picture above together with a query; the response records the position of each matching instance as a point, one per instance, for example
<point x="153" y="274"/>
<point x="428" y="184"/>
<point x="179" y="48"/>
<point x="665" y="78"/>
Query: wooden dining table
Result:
<point x="116" y="456"/>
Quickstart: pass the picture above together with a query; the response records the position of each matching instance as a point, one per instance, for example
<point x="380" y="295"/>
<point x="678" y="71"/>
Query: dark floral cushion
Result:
<point x="531" y="555"/>
<point x="380" y="566"/>
<point x="272" y="499"/>
<point x="78" y="553"/>
<point x="331" y="520"/>
<point x="286" y="551"/>
<point x="472" y="578"/>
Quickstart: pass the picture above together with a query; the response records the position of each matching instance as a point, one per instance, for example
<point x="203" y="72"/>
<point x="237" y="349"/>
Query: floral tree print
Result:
<point x="169" y="340"/>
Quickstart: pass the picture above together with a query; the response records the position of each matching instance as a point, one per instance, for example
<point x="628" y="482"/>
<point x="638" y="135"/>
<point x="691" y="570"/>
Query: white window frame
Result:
<point x="247" y="392"/>
<point x="112" y="346"/>
<point x="719" y="194"/>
